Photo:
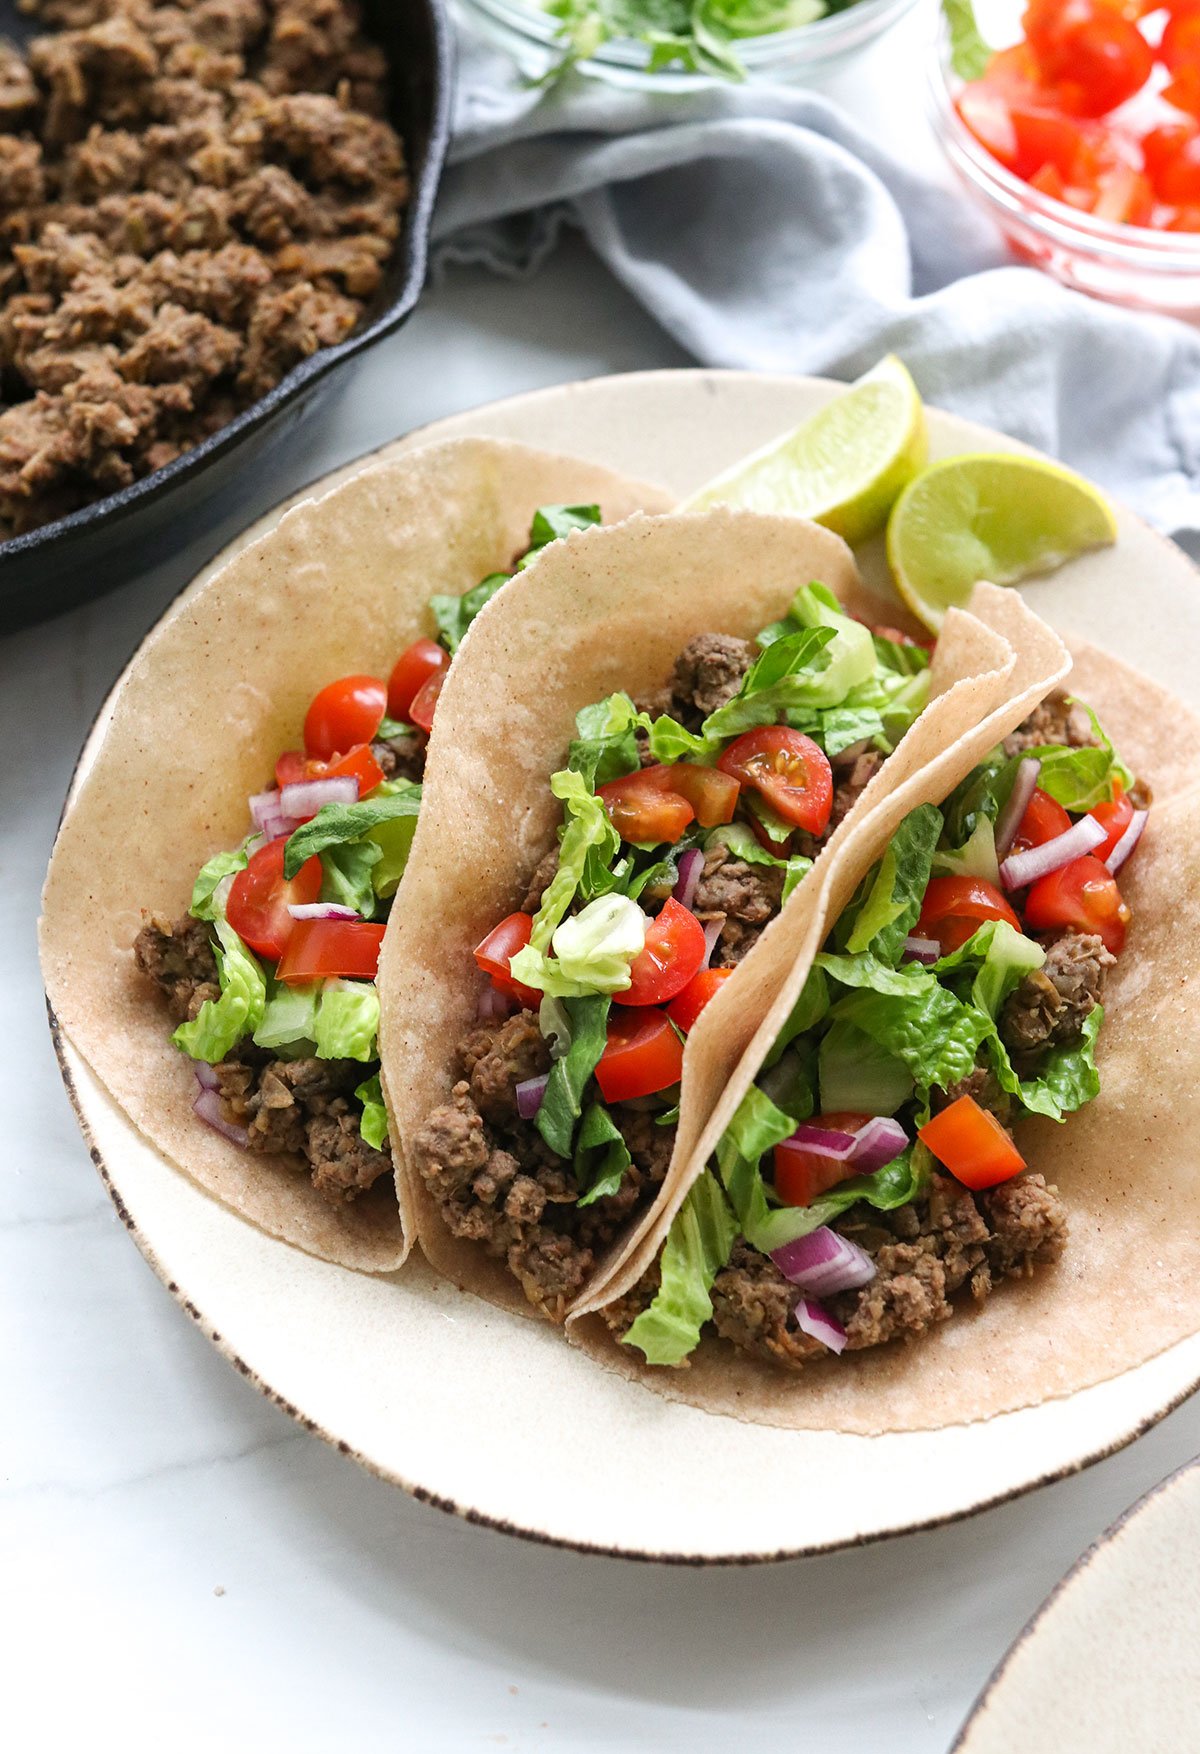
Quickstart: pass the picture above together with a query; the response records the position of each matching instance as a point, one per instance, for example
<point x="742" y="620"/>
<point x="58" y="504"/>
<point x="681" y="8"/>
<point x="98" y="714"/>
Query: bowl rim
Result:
<point x="413" y="250"/>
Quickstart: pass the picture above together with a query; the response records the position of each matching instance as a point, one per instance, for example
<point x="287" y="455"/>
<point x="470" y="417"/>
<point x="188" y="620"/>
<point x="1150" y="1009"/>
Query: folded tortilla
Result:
<point x="340" y="585"/>
<point x="1128" y="1284"/>
<point x="604" y="610"/>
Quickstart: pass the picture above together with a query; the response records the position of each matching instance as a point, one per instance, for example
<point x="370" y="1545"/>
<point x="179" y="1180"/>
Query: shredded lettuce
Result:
<point x="589" y="839"/>
<point x="969" y="51"/>
<point x="338" y="824"/>
<point x="996" y="958"/>
<point x="220" y="1023"/>
<point x="805" y="1014"/>
<point x="552" y="521"/>
<point x="601" y="1155"/>
<point x="857" y="1076"/>
<point x="604" y="746"/>
<point x="563" y="1101"/>
<point x="894" y="890"/>
<point x="1067" y="1076"/>
<point x="975" y="858"/>
<point x="206" y="904"/>
<point x="699" y="1243"/>
<point x="374" y="1123"/>
<point x="347" y="875"/>
<point x="592" y="951"/>
<point x="793" y="673"/>
<point x="908" y="1013"/>
<point x="289" y="1016"/>
<point x="347" y="1021"/>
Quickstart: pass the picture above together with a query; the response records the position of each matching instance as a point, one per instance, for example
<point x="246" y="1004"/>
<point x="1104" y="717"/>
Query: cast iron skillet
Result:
<point x="75" y="558"/>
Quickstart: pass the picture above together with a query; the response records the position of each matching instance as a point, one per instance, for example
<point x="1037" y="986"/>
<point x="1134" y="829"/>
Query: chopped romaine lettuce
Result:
<point x="975" y="858"/>
<point x="698" y="1245"/>
<point x="454" y="615"/>
<point x="552" y="521"/>
<point x="289" y="1016"/>
<point x="347" y="1021"/>
<point x="857" y="1076"/>
<point x="220" y="1023"/>
<point x="908" y="1013"/>
<point x="592" y="951"/>
<point x="589" y="838"/>
<point x="561" y="1105"/>
<point x="994" y="959"/>
<point x="338" y="824"/>
<point x="892" y="901"/>
<point x="601" y="1155"/>
<point x="347" y="874"/>
<point x="206" y="902"/>
<point x="743" y="845"/>
<point x="793" y="673"/>
<point x="374" y="1123"/>
<point x="604" y="746"/>
<point x="969" y="52"/>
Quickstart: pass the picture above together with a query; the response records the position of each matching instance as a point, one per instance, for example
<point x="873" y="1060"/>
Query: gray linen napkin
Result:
<point x="764" y="230"/>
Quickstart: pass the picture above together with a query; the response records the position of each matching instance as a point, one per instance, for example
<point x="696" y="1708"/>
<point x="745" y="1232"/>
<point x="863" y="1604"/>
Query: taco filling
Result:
<point x="270" y="975"/>
<point x="870" y="1178"/>
<point x="688" y="820"/>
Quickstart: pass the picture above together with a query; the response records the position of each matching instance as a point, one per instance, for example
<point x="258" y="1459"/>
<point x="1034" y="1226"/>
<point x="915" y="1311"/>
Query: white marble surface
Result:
<point x="180" y="1566"/>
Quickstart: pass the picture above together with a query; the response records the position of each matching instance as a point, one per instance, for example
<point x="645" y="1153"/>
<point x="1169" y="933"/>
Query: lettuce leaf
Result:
<point x="909" y="1014"/>
<point x="374" y="1123"/>
<point x="552" y="521"/>
<point x="289" y="1017"/>
<point x="889" y="909"/>
<point x="347" y="1021"/>
<point x="857" y="1076"/>
<point x="601" y="1155"/>
<point x="699" y="1243"/>
<point x="347" y="874"/>
<point x="743" y="845"/>
<point x="592" y="951"/>
<point x="569" y="1074"/>
<point x="604" y="746"/>
<point x="1067" y="1075"/>
<point x="810" y="1007"/>
<point x="205" y="904"/>
<point x="969" y="52"/>
<point x="792" y="673"/>
<point x="589" y="840"/>
<point x="221" y="1023"/>
<point x="337" y="824"/>
<point x="453" y="615"/>
<point x="995" y="958"/>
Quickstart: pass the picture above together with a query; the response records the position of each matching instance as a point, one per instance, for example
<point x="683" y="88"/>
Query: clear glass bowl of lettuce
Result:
<point x="677" y="44"/>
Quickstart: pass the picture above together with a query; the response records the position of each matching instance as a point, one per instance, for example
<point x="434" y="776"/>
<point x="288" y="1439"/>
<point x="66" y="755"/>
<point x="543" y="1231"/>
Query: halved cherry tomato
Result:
<point x="955" y="907"/>
<point x="787" y="769"/>
<point x="1114" y="818"/>
<point x="1084" y="896"/>
<point x="643" y="1054"/>
<point x="704" y="986"/>
<point x="412" y="670"/>
<point x="1044" y="819"/>
<point x="258" y="898"/>
<point x="713" y="795"/>
<point x="292" y="767"/>
<point x="343" y="714"/>
<point x="497" y="951"/>
<point x="801" y="1175"/>
<point x="326" y="949"/>
<point x="425" y="701"/>
<point x="643" y="810"/>
<point x="671" y="956"/>
<point x="972" y="1144"/>
<point x="1094" y="56"/>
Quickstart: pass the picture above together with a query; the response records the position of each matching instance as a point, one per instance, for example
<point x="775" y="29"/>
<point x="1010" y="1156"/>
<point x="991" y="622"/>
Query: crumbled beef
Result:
<point x="496" y="1057"/>
<point x="981" y="1084"/>
<point x="1051" y="1003"/>
<point x="745" y="896"/>
<point x="752" y="1309"/>
<point x="708" y="673"/>
<point x="401" y="758"/>
<point x="850" y="781"/>
<point x="540" y="881"/>
<point x="193" y="198"/>
<point x="1055" y="720"/>
<point x="179" y="959"/>
<point x="343" y="1164"/>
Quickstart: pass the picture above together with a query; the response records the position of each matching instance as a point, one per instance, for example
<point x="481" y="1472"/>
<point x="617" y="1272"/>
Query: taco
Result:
<point x="645" y="744"/>
<point x="226" y="868"/>
<point x="966" y="1081"/>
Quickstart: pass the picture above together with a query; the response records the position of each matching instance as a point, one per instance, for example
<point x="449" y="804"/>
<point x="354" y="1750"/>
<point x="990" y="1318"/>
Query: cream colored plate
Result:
<point x="495" y="1417"/>
<point x="1111" y="1662"/>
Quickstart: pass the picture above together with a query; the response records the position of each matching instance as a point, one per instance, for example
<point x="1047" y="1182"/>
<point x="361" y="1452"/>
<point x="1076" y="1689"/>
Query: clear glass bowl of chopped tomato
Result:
<point x="1107" y="201"/>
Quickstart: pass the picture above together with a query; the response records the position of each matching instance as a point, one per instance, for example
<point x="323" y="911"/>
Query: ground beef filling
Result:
<point x="193" y="198"/>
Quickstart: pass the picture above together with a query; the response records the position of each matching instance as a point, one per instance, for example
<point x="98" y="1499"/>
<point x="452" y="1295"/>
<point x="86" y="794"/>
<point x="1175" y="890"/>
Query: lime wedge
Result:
<point x="843" y="467"/>
<point x="993" y="516"/>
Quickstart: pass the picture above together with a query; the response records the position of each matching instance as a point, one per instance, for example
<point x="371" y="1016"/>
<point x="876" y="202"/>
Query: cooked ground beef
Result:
<point x="708" y="672"/>
<point x="179" y="959"/>
<point x="1055" y="720"/>
<point x="982" y="1085"/>
<point x="540" y="881"/>
<point x="194" y="196"/>
<point x="850" y="780"/>
<point x="401" y="758"/>
<point x="745" y="896"/>
<point x="1049" y="1006"/>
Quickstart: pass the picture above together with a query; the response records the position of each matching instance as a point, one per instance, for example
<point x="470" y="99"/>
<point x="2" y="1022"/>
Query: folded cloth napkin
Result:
<point x="764" y="230"/>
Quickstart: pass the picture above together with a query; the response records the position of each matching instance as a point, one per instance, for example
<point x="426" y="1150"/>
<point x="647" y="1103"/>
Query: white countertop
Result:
<point x="181" y="1566"/>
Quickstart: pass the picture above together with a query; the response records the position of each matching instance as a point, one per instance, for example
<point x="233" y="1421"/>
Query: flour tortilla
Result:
<point x="607" y="609"/>
<point x="340" y="585"/>
<point x="1126" y="1165"/>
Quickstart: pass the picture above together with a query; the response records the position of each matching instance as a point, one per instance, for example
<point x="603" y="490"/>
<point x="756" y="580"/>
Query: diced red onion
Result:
<point x="206" y="1076"/>
<point x="812" y="1319"/>
<point x="824" y="1262"/>
<point x="208" y="1107"/>
<point x="1127" y="842"/>
<point x="306" y="797"/>
<point x="921" y="950"/>
<point x="1023" y="787"/>
<point x="263" y="806"/>
<point x="875" y="1144"/>
<point x="493" y="1004"/>
<point x="690" y="866"/>
<point x="321" y="910"/>
<point x="712" y="931"/>
<point x="530" y="1092"/>
<point x="824" y="1142"/>
<point x="276" y="826"/>
<point x="1022" y="868"/>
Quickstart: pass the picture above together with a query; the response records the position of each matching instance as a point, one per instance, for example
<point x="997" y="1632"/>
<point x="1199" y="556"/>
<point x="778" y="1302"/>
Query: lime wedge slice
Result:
<point x="843" y="467"/>
<point x="993" y="516"/>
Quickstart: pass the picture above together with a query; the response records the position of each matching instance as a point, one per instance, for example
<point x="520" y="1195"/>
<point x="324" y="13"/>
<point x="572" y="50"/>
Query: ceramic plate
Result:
<point x="1133" y="1602"/>
<point x="495" y="1417"/>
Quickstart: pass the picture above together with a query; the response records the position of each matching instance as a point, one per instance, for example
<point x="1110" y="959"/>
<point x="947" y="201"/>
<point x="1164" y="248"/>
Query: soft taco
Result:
<point x="648" y="745"/>
<point x="969" y="1079"/>
<point x="225" y="870"/>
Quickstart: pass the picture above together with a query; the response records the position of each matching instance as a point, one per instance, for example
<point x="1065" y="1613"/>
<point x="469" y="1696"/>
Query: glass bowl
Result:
<point x="791" y="57"/>
<point x="1126" y="264"/>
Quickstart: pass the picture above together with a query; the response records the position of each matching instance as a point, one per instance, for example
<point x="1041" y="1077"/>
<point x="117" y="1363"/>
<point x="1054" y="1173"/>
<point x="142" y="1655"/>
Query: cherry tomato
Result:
<point x="1044" y="819"/>
<point x="972" y="1144"/>
<point x="801" y="1175"/>
<point x="955" y="907"/>
<point x="258" y="898"/>
<point x="293" y="768"/>
<point x="703" y="987"/>
<point x="497" y="951"/>
<point x="643" y="810"/>
<point x="1095" y="57"/>
<point x="425" y="702"/>
<point x="787" y="769"/>
<point x="672" y="955"/>
<point x="1114" y="818"/>
<point x="1173" y="161"/>
<point x="1179" y="49"/>
<point x="413" y="668"/>
<point x="1084" y="896"/>
<point x="643" y="1054"/>
<point x="713" y="795"/>
<point x="344" y="713"/>
<point x="1184" y="91"/>
<point x="326" y="949"/>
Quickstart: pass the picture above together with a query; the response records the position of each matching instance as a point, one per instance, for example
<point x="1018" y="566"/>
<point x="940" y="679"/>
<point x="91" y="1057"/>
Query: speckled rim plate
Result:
<point x="493" y="1417"/>
<point x="1135" y="1594"/>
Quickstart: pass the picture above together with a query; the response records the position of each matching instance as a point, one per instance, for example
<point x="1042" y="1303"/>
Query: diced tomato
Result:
<point x="1044" y="819"/>
<point x="802" y="1175"/>
<point x="643" y="1054"/>
<point x="713" y="795"/>
<point x="345" y="713"/>
<point x="1095" y="57"/>
<point x="972" y="1144"/>
<point x="1114" y="818"/>
<point x="412" y="670"/>
<point x="1014" y="72"/>
<point x="1044" y="137"/>
<point x="1049" y="181"/>
<point x="1173" y="161"/>
<point x="643" y="810"/>
<point x="986" y="114"/>
<point x="788" y="770"/>
<point x="497" y="951"/>
<point x="704" y="986"/>
<point x="1184" y="91"/>
<point x="1179" y="48"/>
<point x="672" y="955"/>
<point x="293" y="768"/>
<point x="1084" y="896"/>
<point x="955" y="907"/>
<point x="259" y="896"/>
<point x="329" y="949"/>
<point x="1124" y="197"/>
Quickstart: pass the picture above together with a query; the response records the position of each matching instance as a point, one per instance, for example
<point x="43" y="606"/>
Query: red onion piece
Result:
<point x="264" y="805"/>
<point x="712" y="931"/>
<point x="824" y="1262"/>
<point x="824" y="1142"/>
<point x="879" y="1142"/>
<point x="1022" y="868"/>
<point x="321" y="910"/>
<point x="921" y="950"/>
<point x="530" y="1092"/>
<point x="1127" y="842"/>
<point x="206" y="1076"/>
<point x="493" y="1004"/>
<point x="1023" y="787"/>
<point x="689" y="867"/>
<point x="208" y="1107"/>
<point x="278" y="827"/>
<point x="306" y="797"/>
<point x="812" y="1319"/>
